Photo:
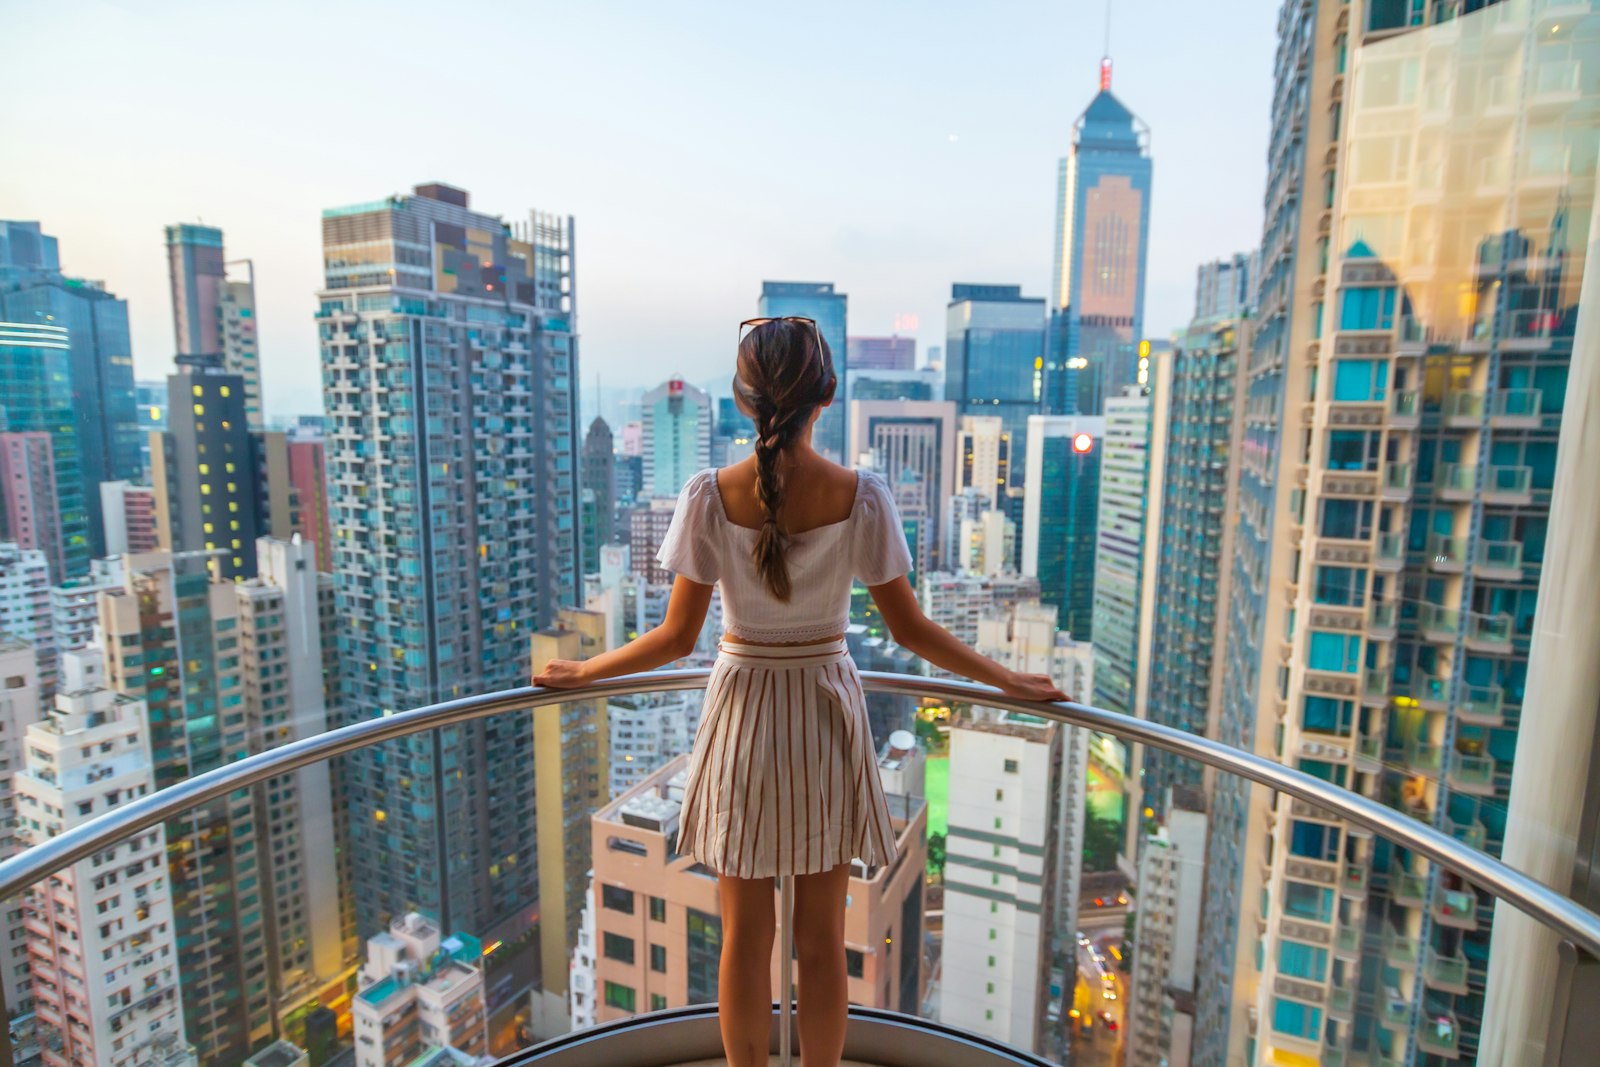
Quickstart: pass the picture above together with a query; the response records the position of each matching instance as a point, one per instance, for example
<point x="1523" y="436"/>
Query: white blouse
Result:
<point x="703" y="546"/>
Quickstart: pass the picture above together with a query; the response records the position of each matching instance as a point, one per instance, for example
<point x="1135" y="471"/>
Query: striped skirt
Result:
<point x="784" y="777"/>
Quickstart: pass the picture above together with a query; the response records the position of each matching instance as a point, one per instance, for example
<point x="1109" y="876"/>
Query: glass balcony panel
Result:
<point x="1397" y="480"/>
<point x="1448" y="554"/>
<point x="1482" y="705"/>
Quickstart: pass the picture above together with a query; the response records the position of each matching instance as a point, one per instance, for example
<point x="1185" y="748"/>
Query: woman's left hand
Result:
<point x="561" y="674"/>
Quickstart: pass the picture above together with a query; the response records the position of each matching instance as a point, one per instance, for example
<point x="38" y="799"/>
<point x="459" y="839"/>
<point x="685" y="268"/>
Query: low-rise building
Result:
<point x="419" y="990"/>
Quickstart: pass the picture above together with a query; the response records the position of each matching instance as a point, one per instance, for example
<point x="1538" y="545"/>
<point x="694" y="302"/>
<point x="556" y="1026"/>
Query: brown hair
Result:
<point x="785" y="372"/>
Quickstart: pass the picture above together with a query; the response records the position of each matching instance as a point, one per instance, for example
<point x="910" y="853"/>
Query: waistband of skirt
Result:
<point x="812" y="654"/>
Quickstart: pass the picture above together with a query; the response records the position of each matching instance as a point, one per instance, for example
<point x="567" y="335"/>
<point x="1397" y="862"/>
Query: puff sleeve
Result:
<point x="880" y="551"/>
<point x="690" y="548"/>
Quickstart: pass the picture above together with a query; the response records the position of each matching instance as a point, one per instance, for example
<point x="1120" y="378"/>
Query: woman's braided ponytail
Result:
<point x="785" y="373"/>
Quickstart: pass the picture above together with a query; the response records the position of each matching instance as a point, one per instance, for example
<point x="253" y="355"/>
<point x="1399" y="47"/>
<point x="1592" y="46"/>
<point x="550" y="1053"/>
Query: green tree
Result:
<point x="1101" y="842"/>
<point x="936" y="856"/>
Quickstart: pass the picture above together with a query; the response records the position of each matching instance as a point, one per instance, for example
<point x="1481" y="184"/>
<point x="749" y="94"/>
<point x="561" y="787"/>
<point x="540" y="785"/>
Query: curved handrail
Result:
<point x="1532" y="897"/>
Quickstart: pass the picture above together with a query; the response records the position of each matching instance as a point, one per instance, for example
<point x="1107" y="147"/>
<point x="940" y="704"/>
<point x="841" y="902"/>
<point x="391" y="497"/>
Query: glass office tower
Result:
<point x="33" y="290"/>
<point x="817" y="300"/>
<point x="994" y="355"/>
<point x="1102" y="236"/>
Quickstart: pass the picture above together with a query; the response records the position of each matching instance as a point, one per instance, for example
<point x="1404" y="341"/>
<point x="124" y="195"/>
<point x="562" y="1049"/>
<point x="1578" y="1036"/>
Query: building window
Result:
<point x="1296" y="1019"/>
<point x="1314" y="840"/>
<point x="1334" y="652"/>
<point x="1360" y="380"/>
<point x="658" y="1002"/>
<point x="1011" y="766"/>
<point x="854" y="963"/>
<point x="619" y="996"/>
<point x="1325" y="715"/>
<point x="1352" y="450"/>
<point x="1302" y="961"/>
<point x="618" y="948"/>
<point x="1367" y="309"/>
<point x="1305" y="901"/>
<point x="658" y="958"/>
<point x="616" y="898"/>
<point x="658" y="910"/>
<point x="704" y="954"/>
<point x="1341" y="586"/>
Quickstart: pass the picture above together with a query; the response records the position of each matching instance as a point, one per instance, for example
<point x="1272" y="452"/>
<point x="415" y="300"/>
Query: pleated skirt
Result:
<point x="783" y="778"/>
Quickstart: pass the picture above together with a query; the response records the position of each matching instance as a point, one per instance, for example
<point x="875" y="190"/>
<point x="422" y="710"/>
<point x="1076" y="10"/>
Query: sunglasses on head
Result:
<point x="749" y="324"/>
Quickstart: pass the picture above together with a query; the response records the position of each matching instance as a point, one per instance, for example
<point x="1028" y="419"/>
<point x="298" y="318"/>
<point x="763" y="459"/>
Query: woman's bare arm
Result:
<point x="672" y="640"/>
<point x="919" y="634"/>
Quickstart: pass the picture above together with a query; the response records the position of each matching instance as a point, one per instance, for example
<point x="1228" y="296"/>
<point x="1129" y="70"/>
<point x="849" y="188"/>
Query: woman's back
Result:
<point x="844" y="528"/>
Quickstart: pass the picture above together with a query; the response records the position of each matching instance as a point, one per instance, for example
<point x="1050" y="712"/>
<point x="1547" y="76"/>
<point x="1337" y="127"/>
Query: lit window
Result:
<point x="199" y="409"/>
<point x="199" y="391"/>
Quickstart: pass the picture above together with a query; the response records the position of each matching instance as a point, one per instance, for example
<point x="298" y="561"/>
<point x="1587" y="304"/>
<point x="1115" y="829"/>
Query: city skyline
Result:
<point x="915" y="183"/>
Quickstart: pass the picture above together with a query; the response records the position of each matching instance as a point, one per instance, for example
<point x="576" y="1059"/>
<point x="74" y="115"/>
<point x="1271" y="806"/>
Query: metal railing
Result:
<point x="1543" y="904"/>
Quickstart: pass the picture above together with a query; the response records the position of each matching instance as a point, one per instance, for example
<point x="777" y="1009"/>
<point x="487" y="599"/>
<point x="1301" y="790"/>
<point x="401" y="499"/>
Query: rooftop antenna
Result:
<point x="1105" y="53"/>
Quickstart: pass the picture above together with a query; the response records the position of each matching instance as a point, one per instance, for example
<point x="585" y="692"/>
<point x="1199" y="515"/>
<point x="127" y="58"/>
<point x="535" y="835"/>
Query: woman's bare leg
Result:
<point x="744" y="977"/>
<point x="819" y="945"/>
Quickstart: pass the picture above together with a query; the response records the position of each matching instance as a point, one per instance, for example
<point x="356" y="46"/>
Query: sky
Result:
<point x="891" y="148"/>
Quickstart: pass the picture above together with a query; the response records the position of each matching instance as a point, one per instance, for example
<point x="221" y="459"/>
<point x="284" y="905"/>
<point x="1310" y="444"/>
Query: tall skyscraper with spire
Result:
<point x="1102" y="235"/>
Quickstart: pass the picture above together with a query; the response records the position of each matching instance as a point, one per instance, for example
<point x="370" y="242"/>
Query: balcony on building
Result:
<point x="1498" y="561"/>
<point x="1446" y="554"/>
<point x="1489" y="633"/>
<point x="1391" y="552"/>
<point x="1471" y="773"/>
<point x="1438" y="1033"/>
<point x="1408" y="889"/>
<point x="1482" y="705"/>
<point x="1381" y="620"/>
<point x="1447" y="973"/>
<point x="1516" y="409"/>
<point x="1405" y="410"/>
<point x="1375" y="686"/>
<point x="1455" y="904"/>
<point x="1401" y="952"/>
<point x="1438" y="624"/>
<point x="1397" y="481"/>
<point x="1473" y="833"/>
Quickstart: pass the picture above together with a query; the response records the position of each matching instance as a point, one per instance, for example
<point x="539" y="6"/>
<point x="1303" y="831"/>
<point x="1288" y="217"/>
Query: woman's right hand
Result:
<point x="1031" y="687"/>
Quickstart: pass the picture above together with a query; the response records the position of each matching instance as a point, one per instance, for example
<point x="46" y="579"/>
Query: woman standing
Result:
<point x="784" y="779"/>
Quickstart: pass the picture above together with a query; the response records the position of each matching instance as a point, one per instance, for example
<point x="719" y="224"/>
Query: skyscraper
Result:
<point x="116" y="928"/>
<point x="994" y="355"/>
<point x="29" y="515"/>
<point x="600" y="475"/>
<point x="913" y="445"/>
<point x="213" y="315"/>
<point x="171" y="640"/>
<point x="451" y="387"/>
<point x="1194" y="530"/>
<point x="1061" y="504"/>
<point x="208" y="470"/>
<point x="97" y="379"/>
<point x="1395" y="525"/>
<point x="1225" y="288"/>
<point x="817" y="300"/>
<point x="36" y="397"/>
<point x="1102" y="233"/>
<point x="882" y="353"/>
<point x="1167" y="966"/>
<point x="308" y="477"/>
<point x="1119" y="547"/>
<point x="1000" y="876"/>
<point x="571" y="780"/>
<point x="677" y="435"/>
<point x="985" y="451"/>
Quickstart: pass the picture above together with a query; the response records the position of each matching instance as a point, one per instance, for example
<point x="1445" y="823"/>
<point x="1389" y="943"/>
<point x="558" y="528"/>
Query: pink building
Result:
<point x="28" y="494"/>
<point x="130" y="517"/>
<point x="308" y="475"/>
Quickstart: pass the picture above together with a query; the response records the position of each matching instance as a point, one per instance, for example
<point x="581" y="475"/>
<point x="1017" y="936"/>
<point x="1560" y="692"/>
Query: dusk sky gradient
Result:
<point x="892" y="148"/>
